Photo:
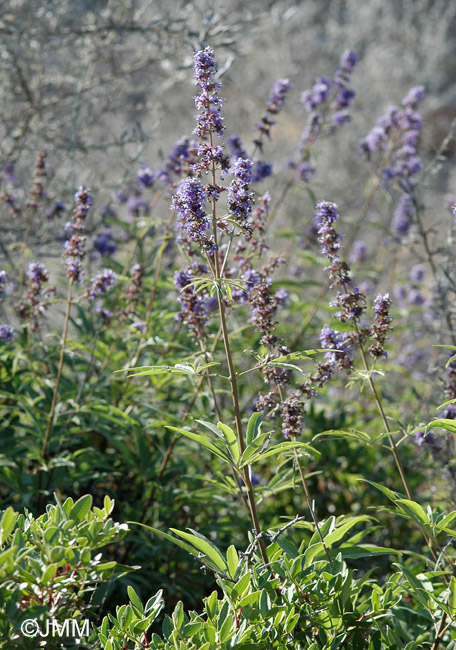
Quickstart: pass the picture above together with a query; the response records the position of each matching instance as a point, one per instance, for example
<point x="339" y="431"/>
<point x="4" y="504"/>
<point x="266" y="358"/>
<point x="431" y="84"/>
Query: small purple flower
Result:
<point x="182" y="278"/>
<point x="121" y="196"/>
<point x="374" y="140"/>
<point x="340" y="118"/>
<point x="145" y="176"/>
<point x="414" y="97"/>
<point x="429" y="439"/>
<point x="101" y="283"/>
<point x="104" y="314"/>
<point x="136" y="204"/>
<point x="417" y="273"/>
<point x="338" y="348"/>
<point x="8" y="173"/>
<point x="37" y="273"/>
<point x="56" y="211"/>
<point x="261" y="170"/>
<point x="319" y="94"/>
<point x="358" y="254"/>
<point x="254" y="478"/>
<point x="108" y="211"/>
<point x="305" y="172"/>
<point x="403" y="215"/>
<point x="139" y="326"/>
<point x="281" y="297"/>
<point x="415" y="297"/>
<point x="74" y="270"/>
<point x="344" y="98"/>
<point x="104" y="243"/>
<point x="273" y="107"/>
<point x="6" y="333"/>
<point x="449" y="412"/>
<point x="235" y="147"/>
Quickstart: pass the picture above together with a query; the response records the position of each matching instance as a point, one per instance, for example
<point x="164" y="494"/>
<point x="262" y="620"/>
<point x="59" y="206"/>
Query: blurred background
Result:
<point x="89" y="78"/>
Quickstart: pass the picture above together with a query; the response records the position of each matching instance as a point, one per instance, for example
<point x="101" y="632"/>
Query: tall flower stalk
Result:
<point x="351" y="303"/>
<point x="209" y="123"/>
<point x="74" y="252"/>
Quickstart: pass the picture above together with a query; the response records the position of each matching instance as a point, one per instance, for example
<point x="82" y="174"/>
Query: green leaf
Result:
<point x="448" y="425"/>
<point x="7" y="524"/>
<point x="231" y="440"/>
<point x="253" y="427"/>
<point x="352" y="434"/>
<point x="392" y="496"/>
<point x="356" y="552"/>
<point x="253" y="447"/>
<point x="81" y="508"/>
<point x="282" y="447"/>
<point x="342" y="530"/>
<point x="205" y="442"/>
<point x="232" y="560"/>
<point x="143" y="371"/>
<point x="135" y="599"/>
<point x="414" y="512"/>
<point x="204" y="546"/>
<point x="452" y="596"/>
<point x="304" y="354"/>
<point x="49" y="574"/>
<point x="170" y="538"/>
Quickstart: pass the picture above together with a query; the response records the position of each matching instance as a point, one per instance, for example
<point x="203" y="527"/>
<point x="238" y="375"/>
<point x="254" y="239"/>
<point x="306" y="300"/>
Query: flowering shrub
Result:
<point x="239" y="416"/>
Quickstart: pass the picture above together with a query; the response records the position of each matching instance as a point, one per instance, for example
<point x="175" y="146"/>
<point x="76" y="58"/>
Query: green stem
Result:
<point x="59" y="373"/>
<point x="310" y="505"/>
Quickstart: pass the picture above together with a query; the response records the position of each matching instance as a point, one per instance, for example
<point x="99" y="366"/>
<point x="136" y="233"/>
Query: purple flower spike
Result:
<point x="240" y="200"/>
<point x="348" y="60"/>
<point x="273" y="107"/>
<point x="278" y="94"/>
<point x="403" y="215"/>
<point x="381" y="326"/>
<point x="209" y="118"/>
<point x="189" y="203"/>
